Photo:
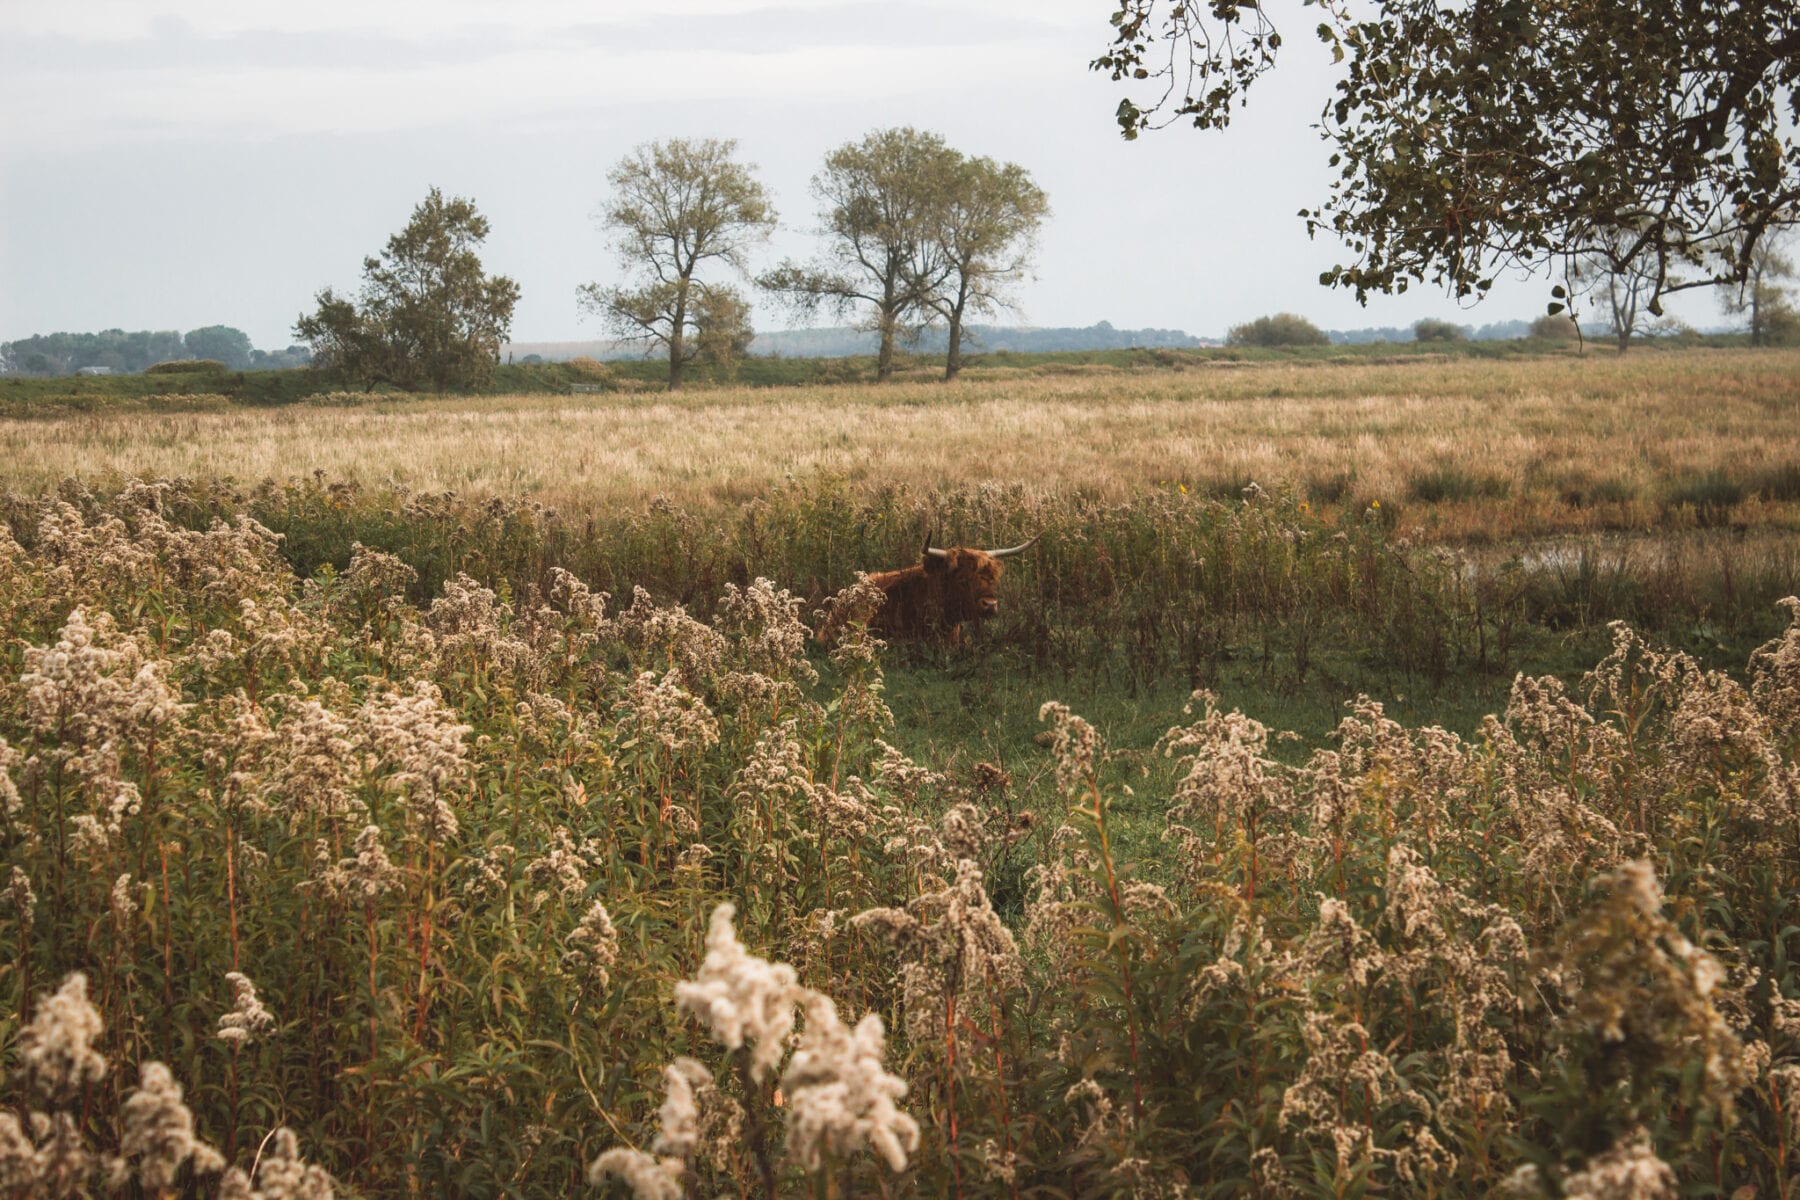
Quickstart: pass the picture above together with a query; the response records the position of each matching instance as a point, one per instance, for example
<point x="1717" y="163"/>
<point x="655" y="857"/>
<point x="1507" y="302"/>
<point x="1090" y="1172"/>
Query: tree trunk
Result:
<point x="675" y="339"/>
<point x="884" y="358"/>
<point x="1624" y="339"/>
<point x="953" y="359"/>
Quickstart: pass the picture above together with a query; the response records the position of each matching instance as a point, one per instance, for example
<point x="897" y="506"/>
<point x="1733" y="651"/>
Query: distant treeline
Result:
<point x="847" y="341"/>
<point x="124" y="353"/>
<point x="1499" y="331"/>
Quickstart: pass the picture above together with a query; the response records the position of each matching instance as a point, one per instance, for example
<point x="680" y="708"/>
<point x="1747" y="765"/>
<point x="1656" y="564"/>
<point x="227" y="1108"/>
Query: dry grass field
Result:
<point x="1460" y="449"/>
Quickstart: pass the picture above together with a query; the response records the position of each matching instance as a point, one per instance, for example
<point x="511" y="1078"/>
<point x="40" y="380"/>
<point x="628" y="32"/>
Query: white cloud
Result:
<point x="57" y="111"/>
<point x="221" y="83"/>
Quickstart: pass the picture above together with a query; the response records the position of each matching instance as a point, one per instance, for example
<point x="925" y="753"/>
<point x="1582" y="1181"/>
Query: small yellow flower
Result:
<point x="1374" y="504"/>
<point x="1183" y="488"/>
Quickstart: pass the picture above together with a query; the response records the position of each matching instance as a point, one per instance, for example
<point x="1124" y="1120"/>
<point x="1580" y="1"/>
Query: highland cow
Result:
<point x="949" y="588"/>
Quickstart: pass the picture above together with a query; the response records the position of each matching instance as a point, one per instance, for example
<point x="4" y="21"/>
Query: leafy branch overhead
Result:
<point x="1472" y="139"/>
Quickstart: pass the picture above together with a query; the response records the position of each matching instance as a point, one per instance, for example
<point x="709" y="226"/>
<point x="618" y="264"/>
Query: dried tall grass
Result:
<point x="1469" y="450"/>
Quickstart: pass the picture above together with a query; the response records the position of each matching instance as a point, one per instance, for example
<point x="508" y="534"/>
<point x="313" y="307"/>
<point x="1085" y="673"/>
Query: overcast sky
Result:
<point x="168" y="164"/>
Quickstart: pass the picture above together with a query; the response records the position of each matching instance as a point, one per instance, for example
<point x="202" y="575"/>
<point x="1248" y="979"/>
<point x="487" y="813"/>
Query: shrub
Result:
<point x="1670" y="331"/>
<point x="1282" y="329"/>
<point x="1429" y="330"/>
<point x="1228" y="485"/>
<point x="187" y="366"/>
<point x="1558" y="328"/>
<point x="1781" y="324"/>
<point x="439" y="334"/>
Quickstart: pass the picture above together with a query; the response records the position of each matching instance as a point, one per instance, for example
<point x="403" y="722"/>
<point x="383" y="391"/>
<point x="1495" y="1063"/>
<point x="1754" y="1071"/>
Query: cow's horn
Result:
<point x="1012" y="550"/>
<point x="934" y="553"/>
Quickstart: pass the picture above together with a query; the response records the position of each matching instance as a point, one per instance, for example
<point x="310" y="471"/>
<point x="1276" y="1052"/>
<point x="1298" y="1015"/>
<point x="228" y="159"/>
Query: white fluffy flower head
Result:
<point x="56" y="1051"/>
<point x="247" y="1017"/>
<point x="741" y="998"/>
<point x="840" y="1097"/>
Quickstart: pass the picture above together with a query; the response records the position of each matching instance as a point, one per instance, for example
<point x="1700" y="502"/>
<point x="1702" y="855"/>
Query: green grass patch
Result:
<point x="1449" y="482"/>
<point x="1330" y="488"/>
<point x="1775" y="481"/>
<point x="1710" y="496"/>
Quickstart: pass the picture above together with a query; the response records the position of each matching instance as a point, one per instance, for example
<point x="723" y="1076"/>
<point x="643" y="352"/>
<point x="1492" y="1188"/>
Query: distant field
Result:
<point x="1452" y="449"/>
<point x="167" y="391"/>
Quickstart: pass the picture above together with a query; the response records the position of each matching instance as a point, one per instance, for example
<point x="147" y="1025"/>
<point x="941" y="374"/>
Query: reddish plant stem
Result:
<point x="162" y="849"/>
<point x="1000" y="1078"/>
<point x="369" y="919"/>
<point x="753" y="1125"/>
<point x="425" y="947"/>
<point x="950" y="1081"/>
<point x="1118" y="917"/>
<point x="24" y="975"/>
<point x="232" y="1119"/>
<point x="231" y="886"/>
<point x="1781" y="1146"/>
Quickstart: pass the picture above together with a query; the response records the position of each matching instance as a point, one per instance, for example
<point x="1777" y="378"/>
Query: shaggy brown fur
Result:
<point x="936" y="598"/>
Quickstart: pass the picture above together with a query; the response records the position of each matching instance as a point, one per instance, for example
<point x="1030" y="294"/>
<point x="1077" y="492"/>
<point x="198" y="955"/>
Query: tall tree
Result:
<point x="1761" y="295"/>
<point x="983" y="232"/>
<point x="677" y="207"/>
<point x="1473" y="137"/>
<point x="221" y="343"/>
<point x="877" y="201"/>
<point x="1621" y="276"/>
<point x="429" y="316"/>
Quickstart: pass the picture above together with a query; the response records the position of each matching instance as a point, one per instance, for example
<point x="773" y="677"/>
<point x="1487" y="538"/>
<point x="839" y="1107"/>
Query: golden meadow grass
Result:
<point x="1463" y="448"/>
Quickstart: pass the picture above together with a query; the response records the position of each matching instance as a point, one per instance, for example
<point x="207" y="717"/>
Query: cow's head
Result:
<point x="968" y="579"/>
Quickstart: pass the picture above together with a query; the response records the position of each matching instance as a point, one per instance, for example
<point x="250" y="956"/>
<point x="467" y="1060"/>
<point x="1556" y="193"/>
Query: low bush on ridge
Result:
<point x="439" y="888"/>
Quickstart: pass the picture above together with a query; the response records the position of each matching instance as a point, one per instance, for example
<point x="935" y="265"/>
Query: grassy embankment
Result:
<point x="171" y="390"/>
